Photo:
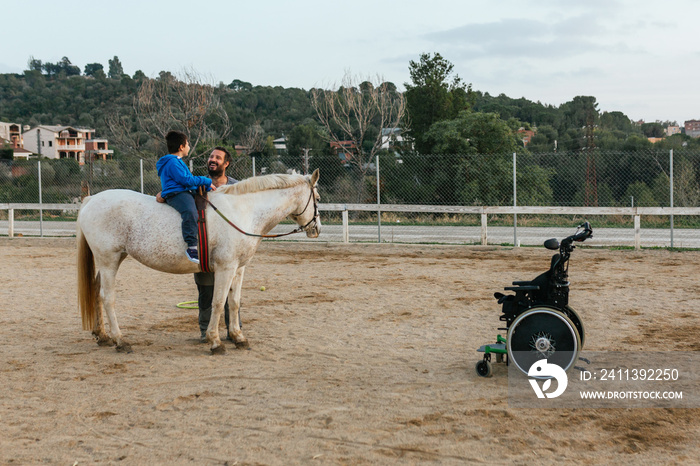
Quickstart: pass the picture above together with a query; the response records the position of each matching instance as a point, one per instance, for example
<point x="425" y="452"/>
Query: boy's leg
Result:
<point x="184" y="203"/>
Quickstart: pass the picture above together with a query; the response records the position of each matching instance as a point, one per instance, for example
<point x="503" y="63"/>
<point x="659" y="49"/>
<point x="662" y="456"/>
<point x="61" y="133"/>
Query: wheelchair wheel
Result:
<point x="543" y="333"/>
<point x="578" y="323"/>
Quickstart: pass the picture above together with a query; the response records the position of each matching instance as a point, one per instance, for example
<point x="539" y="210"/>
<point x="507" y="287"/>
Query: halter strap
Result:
<point x="296" y="230"/>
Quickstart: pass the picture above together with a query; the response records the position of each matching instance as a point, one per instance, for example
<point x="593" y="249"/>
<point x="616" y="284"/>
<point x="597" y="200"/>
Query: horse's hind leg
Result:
<point x="99" y="329"/>
<point x="234" y="303"/>
<point x="108" y="275"/>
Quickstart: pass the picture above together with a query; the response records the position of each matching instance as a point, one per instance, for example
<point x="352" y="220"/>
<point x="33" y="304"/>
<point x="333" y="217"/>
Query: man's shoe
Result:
<point x="192" y="255"/>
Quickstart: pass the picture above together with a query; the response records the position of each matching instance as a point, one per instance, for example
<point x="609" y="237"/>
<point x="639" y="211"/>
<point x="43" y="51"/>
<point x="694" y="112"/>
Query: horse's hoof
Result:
<point x="242" y="344"/>
<point x="221" y="349"/>
<point x="104" y="341"/>
<point x="124" y="348"/>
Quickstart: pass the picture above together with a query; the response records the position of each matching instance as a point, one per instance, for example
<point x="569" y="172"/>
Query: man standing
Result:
<point x="218" y="162"/>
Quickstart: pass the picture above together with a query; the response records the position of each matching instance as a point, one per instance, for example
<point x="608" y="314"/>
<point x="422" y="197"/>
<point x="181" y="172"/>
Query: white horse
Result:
<point x="117" y="223"/>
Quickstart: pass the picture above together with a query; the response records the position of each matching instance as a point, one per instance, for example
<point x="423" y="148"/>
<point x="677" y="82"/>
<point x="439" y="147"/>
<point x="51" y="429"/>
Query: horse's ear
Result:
<point x="314" y="177"/>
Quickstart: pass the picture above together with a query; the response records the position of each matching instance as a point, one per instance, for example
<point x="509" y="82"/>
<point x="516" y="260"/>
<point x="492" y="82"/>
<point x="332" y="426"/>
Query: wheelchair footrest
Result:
<point x="493" y="348"/>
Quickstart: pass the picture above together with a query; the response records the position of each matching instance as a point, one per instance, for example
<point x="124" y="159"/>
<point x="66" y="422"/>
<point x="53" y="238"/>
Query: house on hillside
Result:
<point x="17" y="152"/>
<point x="671" y="130"/>
<point x="241" y="149"/>
<point x="61" y="142"/>
<point x="692" y="128"/>
<point x="344" y="150"/>
<point x="280" y="145"/>
<point x="97" y="149"/>
<point x="525" y="135"/>
<point x="391" y="137"/>
<point x="11" y="132"/>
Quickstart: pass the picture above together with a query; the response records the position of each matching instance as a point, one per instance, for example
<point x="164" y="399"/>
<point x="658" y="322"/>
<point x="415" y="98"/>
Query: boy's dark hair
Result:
<point x="174" y="140"/>
<point x="227" y="156"/>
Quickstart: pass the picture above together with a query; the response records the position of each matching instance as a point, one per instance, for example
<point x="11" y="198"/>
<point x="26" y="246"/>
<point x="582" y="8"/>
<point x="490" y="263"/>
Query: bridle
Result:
<point x="316" y="215"/>
<point x="296" y="230"/>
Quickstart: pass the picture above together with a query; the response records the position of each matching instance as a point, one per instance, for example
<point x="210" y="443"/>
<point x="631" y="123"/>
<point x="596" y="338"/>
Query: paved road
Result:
<point x="434" y="234"/>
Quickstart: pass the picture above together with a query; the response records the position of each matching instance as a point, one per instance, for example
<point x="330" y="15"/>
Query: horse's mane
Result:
<point x="262" y="183"/>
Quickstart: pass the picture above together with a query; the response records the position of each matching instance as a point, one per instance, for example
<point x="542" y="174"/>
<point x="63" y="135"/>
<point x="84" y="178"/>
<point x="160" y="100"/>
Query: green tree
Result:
<point x="642" y="194"/>
<point x="115" y="68"/>
<point x="474" y="163"/>
<point x="616" y="121"/>
<point x="67" y="67"/>
<point x="435" y="94"/>
<point x="580" y="112"/>
<point x="91" y="69"/>
<point x="34" y="64"/>
<point x="472" y="133"/>
<point x="653" y="130"/>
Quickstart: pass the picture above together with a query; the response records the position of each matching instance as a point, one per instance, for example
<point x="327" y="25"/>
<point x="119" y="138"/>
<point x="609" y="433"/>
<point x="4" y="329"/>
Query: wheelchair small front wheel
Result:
<point x="483" y="368"/>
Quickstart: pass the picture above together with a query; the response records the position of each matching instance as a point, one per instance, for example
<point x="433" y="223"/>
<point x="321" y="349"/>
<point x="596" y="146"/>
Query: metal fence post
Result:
<point x="379" y="212"/>
<point x="41" y="211"/>
<point x="141" y="165"/>
<point x="515" y="203"/>
<point x="484" y="235"/>
<point x="253" y="158"/>
<point x="671" y="192"/>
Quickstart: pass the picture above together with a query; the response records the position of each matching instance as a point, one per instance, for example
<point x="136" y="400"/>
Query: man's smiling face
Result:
<point x="217" y="163"/>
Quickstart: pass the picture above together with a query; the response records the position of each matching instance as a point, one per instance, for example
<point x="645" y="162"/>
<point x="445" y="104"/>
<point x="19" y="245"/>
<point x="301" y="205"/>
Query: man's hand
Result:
<point x="159" y="198"/>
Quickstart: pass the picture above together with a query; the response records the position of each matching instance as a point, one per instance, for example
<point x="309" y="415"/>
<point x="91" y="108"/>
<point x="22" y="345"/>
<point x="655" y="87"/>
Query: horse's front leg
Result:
<point x="234" y="308"/>
<point x="222" y="283"/>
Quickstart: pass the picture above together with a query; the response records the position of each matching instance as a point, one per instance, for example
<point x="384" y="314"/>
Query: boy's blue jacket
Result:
<point x="175" y="177"/>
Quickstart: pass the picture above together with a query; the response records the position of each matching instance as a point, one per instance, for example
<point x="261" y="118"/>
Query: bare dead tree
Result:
<point x="254" y="139"/>
<point x="348" y="113"/>
<point x="170" y="103"/>
<point x="126" y="136"/>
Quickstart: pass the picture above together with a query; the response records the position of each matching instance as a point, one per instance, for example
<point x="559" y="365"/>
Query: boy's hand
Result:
<point x="159" y="198"/>
<point x="212" y="187"/>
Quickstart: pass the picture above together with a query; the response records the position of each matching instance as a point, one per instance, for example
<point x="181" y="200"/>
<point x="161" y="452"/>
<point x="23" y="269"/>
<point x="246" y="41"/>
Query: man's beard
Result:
<point x="216" y="172"/>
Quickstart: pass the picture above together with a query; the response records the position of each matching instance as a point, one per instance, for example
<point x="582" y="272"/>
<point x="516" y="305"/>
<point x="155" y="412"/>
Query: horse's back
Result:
<point x="120" y="221"/>
<point x="112" y="213"/>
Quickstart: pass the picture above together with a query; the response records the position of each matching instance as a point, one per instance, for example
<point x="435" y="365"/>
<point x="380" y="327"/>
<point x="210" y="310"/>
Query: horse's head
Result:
<point x="309" y="219"/>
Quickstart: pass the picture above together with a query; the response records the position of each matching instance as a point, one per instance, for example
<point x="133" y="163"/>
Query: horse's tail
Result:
<point x="88" y="283"/>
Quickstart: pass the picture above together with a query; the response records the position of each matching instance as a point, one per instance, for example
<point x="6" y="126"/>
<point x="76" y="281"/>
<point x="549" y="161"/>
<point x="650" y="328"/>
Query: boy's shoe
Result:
<point x="192" y="255"/>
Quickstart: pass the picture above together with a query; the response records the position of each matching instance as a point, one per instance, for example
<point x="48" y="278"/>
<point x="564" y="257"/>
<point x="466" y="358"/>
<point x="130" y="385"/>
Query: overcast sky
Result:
<point x="636" y="56"/>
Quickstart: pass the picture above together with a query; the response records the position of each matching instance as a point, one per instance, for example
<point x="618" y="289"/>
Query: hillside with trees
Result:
<point x="443" y="117"/>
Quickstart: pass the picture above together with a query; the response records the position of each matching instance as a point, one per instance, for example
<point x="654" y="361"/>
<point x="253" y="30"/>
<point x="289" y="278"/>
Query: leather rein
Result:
<point x="296" y="230"/>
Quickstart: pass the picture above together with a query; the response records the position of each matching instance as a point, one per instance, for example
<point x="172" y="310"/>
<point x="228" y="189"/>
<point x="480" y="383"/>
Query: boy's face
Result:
<point x="185" y="148"/>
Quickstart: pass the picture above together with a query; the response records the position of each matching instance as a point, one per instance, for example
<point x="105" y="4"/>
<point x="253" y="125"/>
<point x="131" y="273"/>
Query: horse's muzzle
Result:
<point x="314" y="229"/>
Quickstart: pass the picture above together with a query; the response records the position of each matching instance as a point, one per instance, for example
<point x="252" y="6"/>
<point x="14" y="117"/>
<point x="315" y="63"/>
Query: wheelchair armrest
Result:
<point x="522" y="288"/>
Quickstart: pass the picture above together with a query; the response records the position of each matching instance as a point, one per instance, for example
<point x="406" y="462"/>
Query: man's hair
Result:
<point x="174" y="140"/>
<point x="227" y="154"/>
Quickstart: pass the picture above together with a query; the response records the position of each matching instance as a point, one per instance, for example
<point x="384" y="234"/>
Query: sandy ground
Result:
<point x="360" y="354"/>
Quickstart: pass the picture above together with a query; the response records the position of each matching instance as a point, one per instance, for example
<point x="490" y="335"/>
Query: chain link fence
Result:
<point x="418" y="185"/>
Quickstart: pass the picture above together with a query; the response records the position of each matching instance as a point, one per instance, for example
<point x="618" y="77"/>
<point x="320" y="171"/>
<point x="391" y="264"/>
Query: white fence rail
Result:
<point x="635" y="212"/>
